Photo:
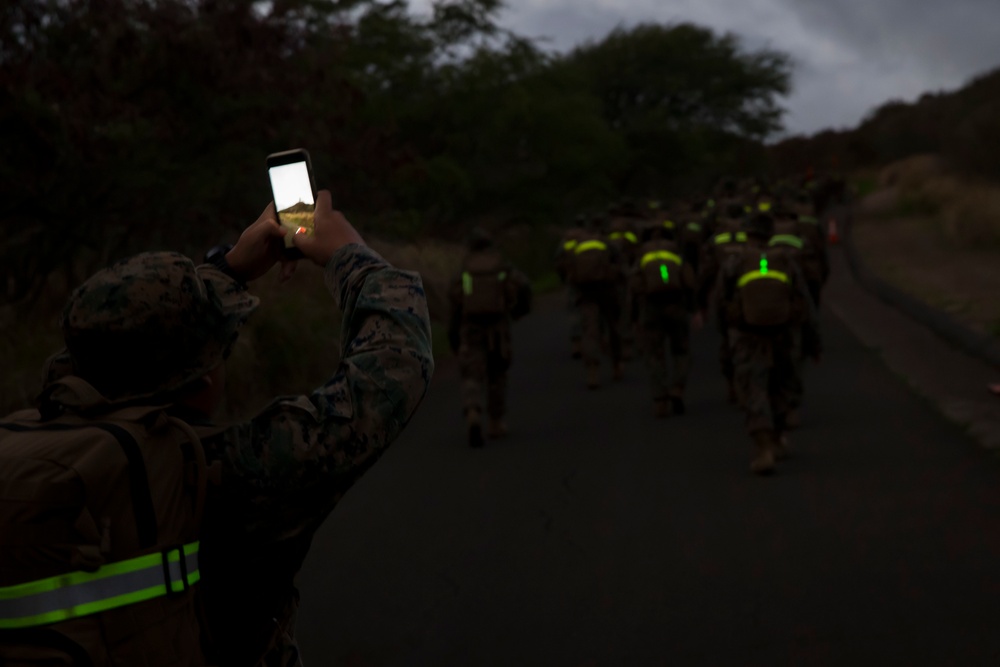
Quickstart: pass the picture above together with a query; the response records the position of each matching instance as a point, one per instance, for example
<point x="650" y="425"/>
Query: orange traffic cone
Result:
<point x="834" y="236"/>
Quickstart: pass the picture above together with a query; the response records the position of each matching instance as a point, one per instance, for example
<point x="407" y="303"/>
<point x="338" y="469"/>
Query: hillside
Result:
<point x="962" y="127"/>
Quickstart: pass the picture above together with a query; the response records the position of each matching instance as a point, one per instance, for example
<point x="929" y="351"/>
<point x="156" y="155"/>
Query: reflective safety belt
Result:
<point x="590" y="245"/>
<point x="725" y="237"/>
<point x="764" y="206"/>
<point x="762" y="274"/>
<point x="114" y="585"/>
<point x="629" y="236"/>
<point x="569" y="245"/>
<point x="660" y="256"/>
<point x="786" y="239"/>
<point x="669" y="224"/>
<point x="694" y="226"/>
<point x="741" y="237"/>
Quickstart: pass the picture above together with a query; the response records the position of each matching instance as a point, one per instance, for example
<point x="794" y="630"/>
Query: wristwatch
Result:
<point x="217" y="258"/>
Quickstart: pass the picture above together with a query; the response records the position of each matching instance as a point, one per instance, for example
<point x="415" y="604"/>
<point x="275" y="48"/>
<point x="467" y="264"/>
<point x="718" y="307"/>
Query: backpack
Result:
<point x="660" y="265"/>
<point x="592" y="263"/>
<point x="765" y="288"/>
<point x="485" y="284"/>
<point x="100" y="512"/>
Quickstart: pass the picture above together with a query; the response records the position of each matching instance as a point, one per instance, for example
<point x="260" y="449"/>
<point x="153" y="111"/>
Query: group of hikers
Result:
<point x="639" y="278"/>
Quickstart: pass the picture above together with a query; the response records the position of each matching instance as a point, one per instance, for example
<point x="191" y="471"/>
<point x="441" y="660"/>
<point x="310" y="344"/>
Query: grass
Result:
<point x="936" y="236"/>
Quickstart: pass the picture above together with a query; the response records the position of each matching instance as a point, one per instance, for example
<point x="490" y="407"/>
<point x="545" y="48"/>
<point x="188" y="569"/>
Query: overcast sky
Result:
<point x="850" y="55"/>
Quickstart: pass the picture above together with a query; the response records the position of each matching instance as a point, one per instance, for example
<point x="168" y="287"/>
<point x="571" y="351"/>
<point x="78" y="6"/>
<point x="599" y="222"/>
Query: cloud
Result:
<point x="851" y="55"/>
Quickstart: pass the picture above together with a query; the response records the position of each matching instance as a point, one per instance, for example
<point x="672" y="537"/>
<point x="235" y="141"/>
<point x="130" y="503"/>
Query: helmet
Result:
<point x="152" y="323"/>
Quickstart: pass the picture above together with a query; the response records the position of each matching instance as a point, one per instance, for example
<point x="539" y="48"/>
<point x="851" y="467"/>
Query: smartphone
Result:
<point x="294" y="194"/>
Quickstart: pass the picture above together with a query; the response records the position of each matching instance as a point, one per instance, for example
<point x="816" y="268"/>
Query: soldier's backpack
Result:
<point x="100" y="514"/>
<point x="729" y="239"/>
<point x="786" y="236"/>
<point x="660" y="264"/>
<point x="592" y="263"/>
<point x="486" y="289"/>
<point x="764" y="286"/>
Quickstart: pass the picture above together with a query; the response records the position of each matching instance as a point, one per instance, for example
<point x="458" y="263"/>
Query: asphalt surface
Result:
<point x="598" y="535"/>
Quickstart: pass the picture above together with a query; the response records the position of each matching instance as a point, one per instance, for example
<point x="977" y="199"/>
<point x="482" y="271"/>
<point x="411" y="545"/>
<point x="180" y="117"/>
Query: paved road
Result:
<point x="597" y="535"/>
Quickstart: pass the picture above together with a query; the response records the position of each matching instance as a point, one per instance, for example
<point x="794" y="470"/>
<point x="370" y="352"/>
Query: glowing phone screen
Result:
<point x="293" y="198"/>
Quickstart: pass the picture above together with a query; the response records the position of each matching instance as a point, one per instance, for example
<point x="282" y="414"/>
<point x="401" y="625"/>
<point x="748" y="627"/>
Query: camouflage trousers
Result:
<point x="600" y="312"/>
<point x="671" y="330"/>
<point x="725" y="343"/>
<point x="575" y="327"/>
<point x="484" y="356"/>
<point x="765" y="378"/>
<point x="627" y="320"/>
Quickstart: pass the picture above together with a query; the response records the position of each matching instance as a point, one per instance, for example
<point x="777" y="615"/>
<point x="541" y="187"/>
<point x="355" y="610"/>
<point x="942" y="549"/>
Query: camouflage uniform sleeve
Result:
<point x="294" y="461"/>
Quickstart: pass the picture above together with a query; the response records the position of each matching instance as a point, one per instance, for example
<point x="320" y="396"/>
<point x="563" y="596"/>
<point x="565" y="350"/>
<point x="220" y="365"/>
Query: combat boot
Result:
<point x="782" y="452"/>
<point x="661" y="408"/>
<point x="593" y="377"/>
<point x="619" y="373"/>
<point x="763" y="462"/>
<point x="474" y="428"/>
<point x="497" y="429"/>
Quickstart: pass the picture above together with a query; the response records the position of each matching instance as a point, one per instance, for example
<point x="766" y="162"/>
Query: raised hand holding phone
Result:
<point x="331" y="232"/>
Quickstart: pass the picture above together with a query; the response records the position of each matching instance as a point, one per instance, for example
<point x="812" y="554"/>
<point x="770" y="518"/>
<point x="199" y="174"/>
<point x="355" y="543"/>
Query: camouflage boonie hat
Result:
<point x="152" y="323"/>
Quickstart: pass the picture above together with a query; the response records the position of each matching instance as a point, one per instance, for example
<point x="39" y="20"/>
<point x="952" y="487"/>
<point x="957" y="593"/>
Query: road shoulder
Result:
<point x="952" y="380"/>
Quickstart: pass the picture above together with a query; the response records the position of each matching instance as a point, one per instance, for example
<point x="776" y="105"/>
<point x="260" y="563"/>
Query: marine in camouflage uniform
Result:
<point x="663" y="282"/>
<point x="482" y="335"/>
<point x="726" y="240"/>
<point x="162" y="339"/>
<point x="763" y="352"/>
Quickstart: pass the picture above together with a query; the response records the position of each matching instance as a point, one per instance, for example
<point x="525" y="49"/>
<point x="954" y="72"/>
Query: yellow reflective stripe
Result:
<point x="114" y="585"/>
<point x="725" y="237"/>
<point x="466" y="283"/>
<point x="764" y="207"/>
<point x="632" y="238"/>
<point x="786" y="239"/>
<point x="741" y="237"/>
<point x="615" y="236"/>
<point x="590" y="245"/>
<point x="660" y="255"/>
<point x="694" y="226"/>
<point x="669" y="224"/>
<point x="569" y="245"/>
<point x="758" y="275"/>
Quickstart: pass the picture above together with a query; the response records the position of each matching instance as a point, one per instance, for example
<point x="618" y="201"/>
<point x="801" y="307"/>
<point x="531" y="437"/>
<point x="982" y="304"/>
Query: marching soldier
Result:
<point x="728" y="240"/>
<point x="768" y="300"/>
<point x="663" y="283"/>
<point x="594" y="269"/>
<point x="485" y="297"/>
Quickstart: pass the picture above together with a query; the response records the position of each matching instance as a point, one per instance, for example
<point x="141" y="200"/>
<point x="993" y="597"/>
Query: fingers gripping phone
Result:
<point x="294" y="194"/>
